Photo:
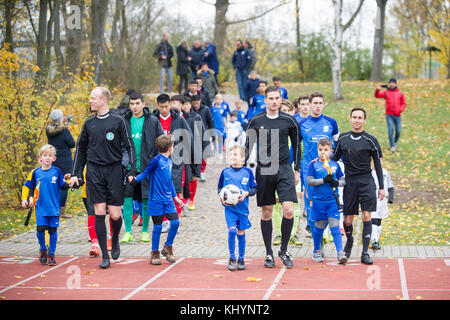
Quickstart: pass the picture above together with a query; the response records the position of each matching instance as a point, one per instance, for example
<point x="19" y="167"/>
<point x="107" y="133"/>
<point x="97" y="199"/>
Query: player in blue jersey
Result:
<point x="313" y="128"/>
<point x="324" y="176"/>
<point x="258" y="102"/>
<point x="219" y="115"/>
<point x="161" y="197"/>
<point x="237" y="216"/>
<point x="48" y="181"/>
<point x="277" y="83"/>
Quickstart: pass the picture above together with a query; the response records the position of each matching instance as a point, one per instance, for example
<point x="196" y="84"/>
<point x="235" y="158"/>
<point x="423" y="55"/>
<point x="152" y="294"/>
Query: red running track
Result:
<point x="79" y="278"/>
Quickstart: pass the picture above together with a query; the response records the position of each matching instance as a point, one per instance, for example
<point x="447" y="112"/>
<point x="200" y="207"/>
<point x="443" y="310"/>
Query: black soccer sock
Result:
<point x="349" y="232"/>
<point x="286" y="229"/>
<point x="100" y="230"/>
<point x="116" y="225"/>
<point x="266" y="229"/>
<point x="366" y="234"/>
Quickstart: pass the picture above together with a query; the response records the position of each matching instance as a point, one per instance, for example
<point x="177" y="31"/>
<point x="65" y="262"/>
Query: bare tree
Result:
<point x="339" y="29"/>
<point x="99" y="9"/>
<point x="378" y="42"/>
<point x="73" y="15"/>
<point x="298" y="40"/>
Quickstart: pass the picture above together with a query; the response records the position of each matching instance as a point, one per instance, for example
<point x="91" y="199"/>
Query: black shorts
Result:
<point x="282" y="183"/>
<point x="105" y="184"/>
<point x="134" y="192"/>
<point x="360" y="189"/>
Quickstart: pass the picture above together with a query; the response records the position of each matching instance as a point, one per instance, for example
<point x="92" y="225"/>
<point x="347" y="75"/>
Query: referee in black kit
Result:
<point x="357" y="148"/>
<point x="100" y="147"/>
<point x="271" y="131"/>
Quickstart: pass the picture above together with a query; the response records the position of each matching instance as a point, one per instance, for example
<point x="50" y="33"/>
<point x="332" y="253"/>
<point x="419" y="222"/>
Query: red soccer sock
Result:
<point x="91" y="229"/>
<point x="192" y="189"/>
<point x="203" y="166"/>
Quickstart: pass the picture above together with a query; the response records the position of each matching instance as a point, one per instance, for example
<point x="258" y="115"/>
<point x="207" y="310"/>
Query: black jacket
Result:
<point x="164" y="48"/>
<point x="60" y="137"/>
<point x="197" y="57"/>
<point x="182" y="60"/>
<point x="178" y="157"/>
<point x="150" y="131"/>
<point x="195" y="122"/>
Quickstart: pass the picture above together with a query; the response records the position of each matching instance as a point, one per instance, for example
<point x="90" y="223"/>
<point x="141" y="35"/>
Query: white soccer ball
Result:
<point x="230" y="194"/>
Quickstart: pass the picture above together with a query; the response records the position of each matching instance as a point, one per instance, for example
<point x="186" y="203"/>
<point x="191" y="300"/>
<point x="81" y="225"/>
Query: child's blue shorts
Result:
<point x="239" y="221"/>
<point x="49" y="221"/>
<point x="158" y="208"/>
<point x="322" y="210"/>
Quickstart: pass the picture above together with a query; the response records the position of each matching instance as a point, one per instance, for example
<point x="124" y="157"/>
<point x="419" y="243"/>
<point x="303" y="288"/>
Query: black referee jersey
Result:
<point x="100" y="142"/>
<point x="286" y="127"/>
<point x="356" y="150"/>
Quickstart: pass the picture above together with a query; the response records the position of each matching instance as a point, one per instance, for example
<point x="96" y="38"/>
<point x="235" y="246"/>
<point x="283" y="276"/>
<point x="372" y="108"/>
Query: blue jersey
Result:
<point x="219" y="113"/>
<point x="160" y="183"/>
<point x="258" y="105"/>
<point x="311" y="131"/>
<point x="284" y="93"/>
<point x="49" y="183"/>
<point x="244" y="179"/>
<point x="324" y="192"/>
<point x="240" y="114"/>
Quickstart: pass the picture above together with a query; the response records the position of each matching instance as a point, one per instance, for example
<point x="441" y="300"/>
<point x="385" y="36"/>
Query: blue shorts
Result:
<point x="322" y="210"/>
<point x="49" y="221"/>
<point x="239" y="221"/>
<point x="158" y="208"/>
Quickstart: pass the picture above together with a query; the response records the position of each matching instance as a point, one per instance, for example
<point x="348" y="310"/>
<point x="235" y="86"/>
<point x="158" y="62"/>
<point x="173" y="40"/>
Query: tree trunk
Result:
<point x="74" y="36"/>
<point x="57" y="36"/>
<point x="298" y="42"/>
<point x="48" y="44"/>
<point x="42" y="35"/>
<point x="377" y="56"/>
<point x="99" y="9"/>
<point x="337" y="50"/>
<point x="220" y="24"/>
<point x="9" y="8"/>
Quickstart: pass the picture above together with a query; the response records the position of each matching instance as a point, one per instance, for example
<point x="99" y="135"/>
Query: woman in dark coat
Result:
<point x="183" y="65"/>
<point x="59" y="136"/>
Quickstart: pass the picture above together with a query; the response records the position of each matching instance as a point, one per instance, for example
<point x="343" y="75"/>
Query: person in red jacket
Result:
<point x="395" y="104"/>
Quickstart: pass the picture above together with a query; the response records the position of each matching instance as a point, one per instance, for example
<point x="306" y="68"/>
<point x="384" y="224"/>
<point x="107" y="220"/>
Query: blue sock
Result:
<point x="174" y="224"/>
<point x="337" y="238"/>
<point x="232" y="232"/>
<point x="317" y="237"/>
<point x="53" y="240"/>
<point x="41" y="239"/>
<point x="241" y="242"/>
<point x="156" y="234"/>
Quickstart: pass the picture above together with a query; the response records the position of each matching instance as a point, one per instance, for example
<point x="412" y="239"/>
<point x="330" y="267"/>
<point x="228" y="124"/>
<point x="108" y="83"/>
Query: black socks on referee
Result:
<point x="266" y="230"/>
<point x="286" y="228"/>
<point x="366" y="235"/>
<point x="100" y="230"/>
<point x="116" y="225"/>
<point x="349" y="233"/>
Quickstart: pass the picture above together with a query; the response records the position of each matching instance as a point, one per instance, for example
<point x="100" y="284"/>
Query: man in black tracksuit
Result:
<point x="357" y="148"/>
<point x="100" y="147"/>
<point x="271" y="131"/>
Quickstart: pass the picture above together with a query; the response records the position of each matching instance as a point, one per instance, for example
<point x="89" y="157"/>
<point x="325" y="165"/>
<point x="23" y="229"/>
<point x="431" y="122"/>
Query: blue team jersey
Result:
<point x="258" y="105"/>
<point x="218" y="114"/>
<point x="244" y="179"/>
<point x="49" y="183"/>
<point x="324" y="192"/>
<point x="240" y="114"/>
<point x="284" y="93"/>
<point x="159" y="172"/>
<point x="312" y="130"/>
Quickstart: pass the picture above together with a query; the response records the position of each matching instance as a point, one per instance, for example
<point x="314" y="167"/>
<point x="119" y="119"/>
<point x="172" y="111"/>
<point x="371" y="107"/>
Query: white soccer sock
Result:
<point x="374" y="237"/>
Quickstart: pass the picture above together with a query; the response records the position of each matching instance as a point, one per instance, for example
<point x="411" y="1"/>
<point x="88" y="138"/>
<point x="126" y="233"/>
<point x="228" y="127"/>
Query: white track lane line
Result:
<point x="37" y="275"/>
<point x="401" y="269"/>
<point x="274" y="284"/>
<point x="152" y="279"/>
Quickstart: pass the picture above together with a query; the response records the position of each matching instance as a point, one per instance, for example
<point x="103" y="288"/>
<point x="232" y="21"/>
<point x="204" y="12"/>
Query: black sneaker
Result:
<point x="269" y="262"/>
<point x="365" y="259"/>
<point x="348" y="249"/>
<point x="232" y="264"/>
<point x="43" y="257"/>
<point x="241" y="265"/>
<point x="105" y="263"/>
<point x="287" y="259"/>
<point x="51" y="260"/>
<point x="115" y="247"/>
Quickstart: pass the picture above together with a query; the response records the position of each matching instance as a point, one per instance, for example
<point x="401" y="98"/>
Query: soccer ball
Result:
<point x="230" y="194"/>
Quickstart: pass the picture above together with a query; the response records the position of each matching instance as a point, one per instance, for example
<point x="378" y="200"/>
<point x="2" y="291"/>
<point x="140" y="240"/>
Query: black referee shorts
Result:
<point x="359" y="189"/>
<point x="105" y="184"/>
<point x="282" y="183"/>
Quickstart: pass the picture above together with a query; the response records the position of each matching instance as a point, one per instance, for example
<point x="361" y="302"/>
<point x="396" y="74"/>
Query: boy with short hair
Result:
<point x="237" y="216"/>
<point x="47" y="182"/>
<point x="258" y="103"/>
<point x="240" y="113"/>
<point x="219" y="115"/>
<point x="252" y="86"/>
<point x="324" y="175"/>
<point x="277" y="83"/>
<point x="161" y="198"/>
<point x="234" y="132"/>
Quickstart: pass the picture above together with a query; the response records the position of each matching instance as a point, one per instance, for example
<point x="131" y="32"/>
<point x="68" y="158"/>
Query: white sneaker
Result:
<point x="393" y="149"/>
<point x="165" y="226"/>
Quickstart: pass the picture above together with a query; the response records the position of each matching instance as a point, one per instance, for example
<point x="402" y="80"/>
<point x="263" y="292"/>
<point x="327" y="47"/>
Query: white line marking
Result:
<point x="152" y="279"/>
<point x="447" y="262"/>
<point x="401" y="269"/>
<point x="37" y="275"/>
<point x="274" y="284"/>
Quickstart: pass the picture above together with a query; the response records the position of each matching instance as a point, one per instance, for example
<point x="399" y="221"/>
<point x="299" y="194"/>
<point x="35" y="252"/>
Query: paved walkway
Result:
<point x="203" y="232"/>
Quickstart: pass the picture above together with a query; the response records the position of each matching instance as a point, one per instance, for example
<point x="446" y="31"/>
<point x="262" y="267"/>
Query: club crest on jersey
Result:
<point x="244" y="181"/>
<point x="326" y="128"/>
<point x="54" y="179"/>
<point x="110" y="136"/>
